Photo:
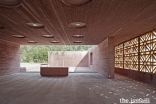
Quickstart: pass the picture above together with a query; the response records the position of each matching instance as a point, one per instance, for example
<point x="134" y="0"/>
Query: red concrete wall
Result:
<point x="68" y="59"/>
<point x="103" y="58"/>
<point x="142" y="76"/>
<point x="9" y="58"/>
<point x="84" y="61"/>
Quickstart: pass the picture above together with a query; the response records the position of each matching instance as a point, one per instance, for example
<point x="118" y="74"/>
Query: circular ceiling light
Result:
<point x="78" y="36"/>
<point x="76" y="2"/>
<point x="48" y="36"/>
<point x="55" y="41"/>
<point x="77" y="24"/>
<point x="36" y="25"/>
<point x="9" y="3"/>
<point x="32" y="42"/>
<point x="77" y="41"/>
<point x="1" y="27"/>
<point x="18" y="36"/>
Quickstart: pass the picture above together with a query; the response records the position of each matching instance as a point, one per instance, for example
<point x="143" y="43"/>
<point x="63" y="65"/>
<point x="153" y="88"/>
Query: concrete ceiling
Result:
<point x="122" y="19"/>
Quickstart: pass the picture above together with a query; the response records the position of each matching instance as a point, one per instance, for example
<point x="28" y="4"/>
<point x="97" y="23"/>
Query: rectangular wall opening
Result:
<point x="32" y="57"/>
<point x="91" y="58"/>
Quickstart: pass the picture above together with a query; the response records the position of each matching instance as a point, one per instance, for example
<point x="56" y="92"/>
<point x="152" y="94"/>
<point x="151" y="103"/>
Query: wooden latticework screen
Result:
<point x="137" y="54"/>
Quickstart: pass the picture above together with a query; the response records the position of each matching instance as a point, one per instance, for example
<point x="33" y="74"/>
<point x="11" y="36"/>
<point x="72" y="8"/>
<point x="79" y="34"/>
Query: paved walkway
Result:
<point x="80" y="70"/>
<point x="77" y="88"/>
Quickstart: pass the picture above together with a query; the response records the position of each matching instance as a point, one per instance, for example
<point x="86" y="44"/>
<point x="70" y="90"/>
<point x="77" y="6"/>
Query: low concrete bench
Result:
<point x="54" y="71"/>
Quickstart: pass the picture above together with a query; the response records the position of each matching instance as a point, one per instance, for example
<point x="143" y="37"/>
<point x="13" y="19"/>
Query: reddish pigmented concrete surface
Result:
<point x="142" y="76"/>
<point x="9" y="58"/>
<point x="76" y="88"/>
<point x="103" y="58"/>
<point x="68" y="59"/>
<point x="54" y="71"/>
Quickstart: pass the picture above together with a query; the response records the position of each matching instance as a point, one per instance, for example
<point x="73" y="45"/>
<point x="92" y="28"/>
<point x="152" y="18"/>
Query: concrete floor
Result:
<point x="81" y="70"/>
<point x="77" y="88"/>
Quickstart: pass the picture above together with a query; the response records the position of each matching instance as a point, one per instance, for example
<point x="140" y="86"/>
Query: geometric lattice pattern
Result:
<point x="148" y="52"/>
<point x="119" y="56"/>
<point x="137" y="54"/>
<point x="131" y="54"/>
